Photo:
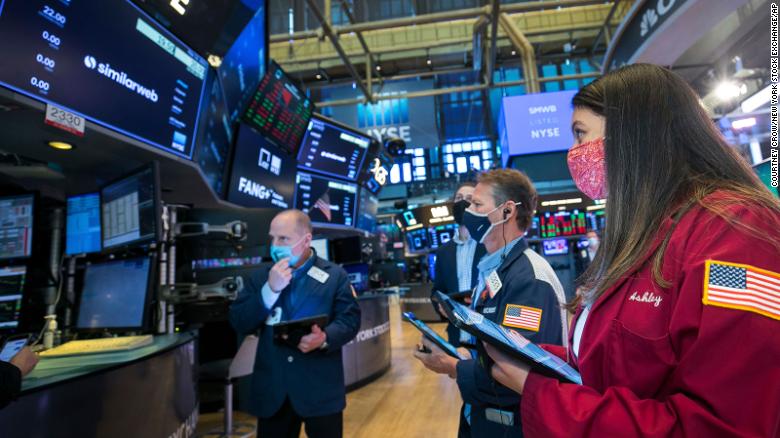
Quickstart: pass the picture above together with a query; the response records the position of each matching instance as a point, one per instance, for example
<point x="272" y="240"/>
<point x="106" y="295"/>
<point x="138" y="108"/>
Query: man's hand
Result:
<point x="507" y="371"/>
<point x="25" y="360"/>
<point x="313" y="340"/>
<point x="280" y="275"/>
<point x="437" y="360"/>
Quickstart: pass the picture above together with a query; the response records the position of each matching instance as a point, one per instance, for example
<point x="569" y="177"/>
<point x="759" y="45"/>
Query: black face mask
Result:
<point x="458" y="209"/>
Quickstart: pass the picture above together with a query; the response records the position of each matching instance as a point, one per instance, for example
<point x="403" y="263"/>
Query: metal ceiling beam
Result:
<point x="345" y="8"/>
<point x="335" y="40"/>
<point x="439" y="17"/>
<point x="527" y="52"/>
<point x="605" y="28"/>
<point x="460" y="89"/>
<point x="494" y="11"/>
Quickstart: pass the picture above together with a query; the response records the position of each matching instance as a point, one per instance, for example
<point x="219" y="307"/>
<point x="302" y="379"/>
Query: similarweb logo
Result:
<point x="119" y="77"/>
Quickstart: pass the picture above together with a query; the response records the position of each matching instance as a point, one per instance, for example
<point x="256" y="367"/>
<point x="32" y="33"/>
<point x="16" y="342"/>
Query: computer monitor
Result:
<point x="555" y="247"/>
<point x="115" y="295"/>
<point x="764" y="171"/>
<point x="321" y="247"/>
<point x="432" y="265"/>
<point x="12" y="280"/>
<point x="333" y="149"/>
<point x="16" y="226"/>
<point x="82" y="228"/>
<point x="358" y="276"/>
<point x="326" y="200"/>
<point x="131" y="209"/>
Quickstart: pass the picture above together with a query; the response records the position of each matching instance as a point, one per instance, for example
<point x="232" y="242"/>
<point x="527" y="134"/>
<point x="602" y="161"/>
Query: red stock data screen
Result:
<point x="563" y="223"/>
<point x="279" y="110"/>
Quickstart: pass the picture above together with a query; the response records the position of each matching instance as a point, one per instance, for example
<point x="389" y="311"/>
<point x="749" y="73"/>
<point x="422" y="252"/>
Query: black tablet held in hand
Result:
<point x="432" y="335"/>
<point x="507" y="340"/>
<point x="291" y="332"/>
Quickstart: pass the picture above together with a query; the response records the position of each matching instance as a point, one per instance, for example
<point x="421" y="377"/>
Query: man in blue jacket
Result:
<point x="516" y="288"/>
<point x="290" y="385"/>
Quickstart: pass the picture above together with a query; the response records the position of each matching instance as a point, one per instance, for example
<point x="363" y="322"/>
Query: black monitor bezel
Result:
<point x="146" y="322"/>
<point x="36" y="202"/>
<point x="100" y="218"/>
<point x="157" y="237"/>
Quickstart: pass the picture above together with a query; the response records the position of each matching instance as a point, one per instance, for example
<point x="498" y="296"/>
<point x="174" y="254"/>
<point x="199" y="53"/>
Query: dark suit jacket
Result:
<point x="314" y="382"/>
<point x="446" y="280"/>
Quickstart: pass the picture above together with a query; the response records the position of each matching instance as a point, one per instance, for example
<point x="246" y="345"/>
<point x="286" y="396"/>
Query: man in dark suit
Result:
<point x="304" y="384"/>
<point x="11" y="374"/>
<point x="584" y="257"/>
<point x="517" y="289"/>
<point x="458" y="256"/>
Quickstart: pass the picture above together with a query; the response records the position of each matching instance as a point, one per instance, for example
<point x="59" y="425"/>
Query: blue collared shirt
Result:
<point x="464" y="260"/>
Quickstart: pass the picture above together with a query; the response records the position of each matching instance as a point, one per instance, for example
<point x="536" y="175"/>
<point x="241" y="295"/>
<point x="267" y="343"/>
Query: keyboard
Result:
<point x="95" y="346"/>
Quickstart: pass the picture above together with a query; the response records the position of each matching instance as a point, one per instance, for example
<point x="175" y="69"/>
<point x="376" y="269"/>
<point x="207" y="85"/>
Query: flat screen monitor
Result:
<point x="16" y="226"/>
<point x="131" y="210"/>
<point x="216" y="136"/>
<point x="321" y="247"/>
<point x="764" y="171"/>
<point x="347" y="250"/>
<point x="333" y="149"/>
<point x="82" y="225"/>
<point x="432" y="266"/>
<point x="12" y="279"/>
<point x="441" y="234"/>
<point x="358" y="276"/>
<point x="367" y="210"/>
<point x="325" y="200"/>
<point x="115" y="295"/>
<point x="555" y="247"/>
<point x="417" y="240"/>
<point x="279" y="110"/>
<point x="243" y="66"/>
<point x="108" y="61"/>
<point x="261" y="175"/>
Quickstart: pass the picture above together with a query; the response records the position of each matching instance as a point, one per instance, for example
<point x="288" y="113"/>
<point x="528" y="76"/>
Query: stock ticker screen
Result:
<point x="279" y="110"/>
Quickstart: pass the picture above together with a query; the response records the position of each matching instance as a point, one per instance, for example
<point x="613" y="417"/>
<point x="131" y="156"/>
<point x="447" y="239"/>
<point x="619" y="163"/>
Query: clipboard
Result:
<point x="296" y="329"/>
<point x="509" y="341"/>
<point x="432" y="335"/>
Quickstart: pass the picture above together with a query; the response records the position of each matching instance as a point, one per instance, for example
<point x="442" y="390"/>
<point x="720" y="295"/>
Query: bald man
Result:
<point x="303" y="384"/>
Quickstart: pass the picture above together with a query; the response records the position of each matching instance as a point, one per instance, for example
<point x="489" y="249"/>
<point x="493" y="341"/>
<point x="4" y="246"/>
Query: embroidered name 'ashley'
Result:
<point x="647" y="297"/>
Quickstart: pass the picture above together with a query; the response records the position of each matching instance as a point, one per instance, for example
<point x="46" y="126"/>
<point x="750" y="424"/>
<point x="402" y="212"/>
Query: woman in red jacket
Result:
<point x="678" y="332"/>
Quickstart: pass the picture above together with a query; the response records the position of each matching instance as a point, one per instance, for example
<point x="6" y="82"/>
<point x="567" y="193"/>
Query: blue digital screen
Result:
<point x="108" y="61"/>
<point x="326" y="200"/>
<point x="367" y="210"/>
<point x="358" y="276"/>
<point x="216" y="136"/>
<point x="243" y="66"/>
<point x="114" y="294"/>
<point x="82" y="229"/>
<point x="332" y="149"/>
<point x="535" y="123"/>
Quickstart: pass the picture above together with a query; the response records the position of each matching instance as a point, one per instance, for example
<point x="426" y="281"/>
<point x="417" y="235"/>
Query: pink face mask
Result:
<point x="586" y="164"/>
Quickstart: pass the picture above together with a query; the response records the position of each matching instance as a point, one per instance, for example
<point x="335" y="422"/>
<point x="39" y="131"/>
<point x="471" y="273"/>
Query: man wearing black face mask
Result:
<point x="459" y="255"/>
<point x="516" y="288"/>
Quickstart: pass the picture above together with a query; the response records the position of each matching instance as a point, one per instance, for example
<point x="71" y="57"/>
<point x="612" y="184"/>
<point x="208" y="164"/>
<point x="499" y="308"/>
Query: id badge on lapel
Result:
<point x="275" y="317"/>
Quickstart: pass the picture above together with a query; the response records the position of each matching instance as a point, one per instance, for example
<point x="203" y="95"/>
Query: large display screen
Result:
<point x="333" y="149"/>
<point x="108" y="61"/>
<point x="279" y="109"/>
<point x="16" y="226"/>
<point x="441" y="234"/>
<point x="131" y="210"/>
<point x="367" y="210"/>
<point x="262" y="175"/>
<point x="536" y="123"/>
<point x="326" y="200"/>
<point x="243" y="66"/>
<point x="82" y="227"/>
<point x="563" y="223"/>
<point x="215" y="138"/>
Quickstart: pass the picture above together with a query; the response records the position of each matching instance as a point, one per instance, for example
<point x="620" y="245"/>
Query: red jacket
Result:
<point x="678" y="368"/>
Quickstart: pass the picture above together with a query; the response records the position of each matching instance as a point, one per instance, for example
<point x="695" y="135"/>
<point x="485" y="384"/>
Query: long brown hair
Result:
<point x="663" y="156"/>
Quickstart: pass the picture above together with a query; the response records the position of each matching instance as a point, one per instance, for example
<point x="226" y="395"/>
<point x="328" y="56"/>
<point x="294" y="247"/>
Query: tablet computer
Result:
<point x="508" y="341"/>
<point x="291" y="332"/>
<point x="432" y="335"/>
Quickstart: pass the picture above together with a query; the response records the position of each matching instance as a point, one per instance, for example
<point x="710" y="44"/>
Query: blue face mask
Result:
<point x="280" y="252"/>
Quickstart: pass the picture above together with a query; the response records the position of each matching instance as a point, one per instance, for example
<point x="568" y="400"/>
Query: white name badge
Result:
<point x="274" y="318"/>
<point x="489" y="310"/>
<point x="493" y="283"/>
<point x="318" y="274"/>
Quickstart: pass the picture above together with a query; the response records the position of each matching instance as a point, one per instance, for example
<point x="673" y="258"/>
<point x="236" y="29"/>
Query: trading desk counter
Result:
<point x="368" y="355"/>
<point x="147" y="392"/>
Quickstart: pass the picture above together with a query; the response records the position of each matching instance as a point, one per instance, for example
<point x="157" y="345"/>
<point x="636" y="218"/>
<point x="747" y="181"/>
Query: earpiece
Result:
<point x="506" y="212"/>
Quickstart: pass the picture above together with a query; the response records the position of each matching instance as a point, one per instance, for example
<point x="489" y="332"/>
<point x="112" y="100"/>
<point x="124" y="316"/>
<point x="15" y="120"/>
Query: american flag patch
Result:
<point x="742" y="287"/>
<point x="522" y="317"/>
